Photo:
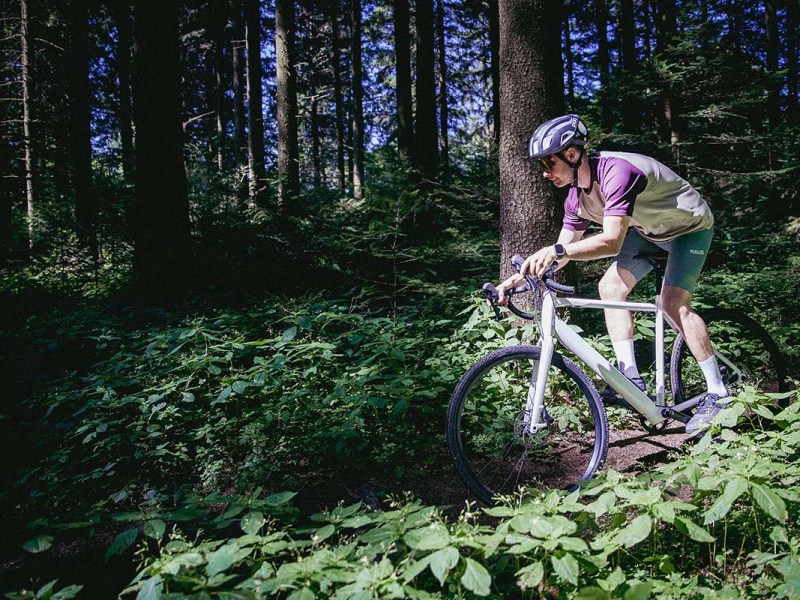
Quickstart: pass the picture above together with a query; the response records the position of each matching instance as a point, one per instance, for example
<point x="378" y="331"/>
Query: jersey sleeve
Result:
<point x="572" y="221"/>
<point x="620" y="182"/>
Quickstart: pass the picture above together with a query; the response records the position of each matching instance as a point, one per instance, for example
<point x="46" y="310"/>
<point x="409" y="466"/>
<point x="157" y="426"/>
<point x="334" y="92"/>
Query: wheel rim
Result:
<point x="501" y="456"/>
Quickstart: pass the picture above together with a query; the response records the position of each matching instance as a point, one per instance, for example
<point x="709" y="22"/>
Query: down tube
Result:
<point x="595" y="361"/>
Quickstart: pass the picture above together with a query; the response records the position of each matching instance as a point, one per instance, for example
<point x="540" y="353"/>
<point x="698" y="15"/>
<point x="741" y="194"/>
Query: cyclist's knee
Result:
<point x="676" y="303"/>
<point x="612" y="287"/>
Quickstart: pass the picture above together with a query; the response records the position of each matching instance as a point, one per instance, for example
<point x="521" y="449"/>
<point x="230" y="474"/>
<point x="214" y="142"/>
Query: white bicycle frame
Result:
<point x="553" y="328"/>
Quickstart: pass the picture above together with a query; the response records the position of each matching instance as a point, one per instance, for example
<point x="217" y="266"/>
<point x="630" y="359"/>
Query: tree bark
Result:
<point x="358" y="104"/>
<point x="161" y="217"/>
<point x="630" y="66"/>
<point x="426" y="146"/>
<point x="123" y="60"/>
<point x="444" y="143"/>
<point x="333" y="11"/>
<point x="238" y="84"/>
<point x="403" y="97"/>
<point x="570" y="62"/>
<point x="80" y="121"/>
<point x="288" y="155"/>
<point x="666" y="28"/>
<point x="494" y="51"/>
<point x="7" y="193"/>
<point x="218" y="16"/>
<point x="257" y="175"/>
<point x="27" y="119"/>
<point x="316" y="159"/>
<point x="773" y="82"/>
<point x="531" y="91"/>
<point x="603" y="63"/>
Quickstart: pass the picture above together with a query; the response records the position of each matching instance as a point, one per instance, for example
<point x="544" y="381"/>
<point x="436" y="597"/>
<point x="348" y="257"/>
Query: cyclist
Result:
<point x="644" y="208"/>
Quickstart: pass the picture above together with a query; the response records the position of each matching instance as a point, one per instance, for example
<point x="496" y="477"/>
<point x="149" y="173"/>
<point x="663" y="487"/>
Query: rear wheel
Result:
<point x="492" y="447"/>
<point x="756" y="359"/>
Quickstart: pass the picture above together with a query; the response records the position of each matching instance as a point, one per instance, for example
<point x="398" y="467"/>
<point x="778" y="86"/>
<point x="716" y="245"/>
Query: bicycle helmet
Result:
<point x="555" y="136"/>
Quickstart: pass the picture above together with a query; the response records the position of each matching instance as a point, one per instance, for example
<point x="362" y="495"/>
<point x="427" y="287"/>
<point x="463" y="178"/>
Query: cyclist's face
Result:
<point x="556" y="170"/>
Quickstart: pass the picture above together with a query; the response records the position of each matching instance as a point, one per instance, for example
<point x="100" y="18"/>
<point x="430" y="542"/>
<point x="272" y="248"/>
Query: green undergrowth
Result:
<point x="718" y="521"/>
<point x="239" y="400"/>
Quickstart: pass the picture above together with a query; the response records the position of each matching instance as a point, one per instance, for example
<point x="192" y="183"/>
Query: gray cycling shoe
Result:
<point x="707" y="409"/>
<point x="610" y="396"/>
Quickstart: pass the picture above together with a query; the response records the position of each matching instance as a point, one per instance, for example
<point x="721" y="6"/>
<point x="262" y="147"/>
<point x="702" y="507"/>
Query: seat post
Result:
<point x="659" y="278"/>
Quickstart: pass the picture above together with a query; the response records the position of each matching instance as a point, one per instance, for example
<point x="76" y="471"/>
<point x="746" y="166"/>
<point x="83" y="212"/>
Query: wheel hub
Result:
<point x="523" y="433"/>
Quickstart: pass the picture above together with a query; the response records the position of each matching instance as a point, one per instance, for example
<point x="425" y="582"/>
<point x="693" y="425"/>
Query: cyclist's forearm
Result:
<point x="596" y="246"/>
<point x="604" y="244"/>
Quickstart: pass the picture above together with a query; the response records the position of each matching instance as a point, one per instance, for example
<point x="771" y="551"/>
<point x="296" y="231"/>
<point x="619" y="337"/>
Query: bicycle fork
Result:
<point x="534" y="406"/>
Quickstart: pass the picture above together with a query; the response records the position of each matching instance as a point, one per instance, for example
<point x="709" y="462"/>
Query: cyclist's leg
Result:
<point x="629" y="267"/>
<point x="687" y="255"/>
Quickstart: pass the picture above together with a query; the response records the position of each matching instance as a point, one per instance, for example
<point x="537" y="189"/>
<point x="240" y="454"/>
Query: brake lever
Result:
<point x="492" y="295"/>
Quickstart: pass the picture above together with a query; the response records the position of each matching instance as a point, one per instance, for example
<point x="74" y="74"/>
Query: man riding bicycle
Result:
<point x="644" y="209"/>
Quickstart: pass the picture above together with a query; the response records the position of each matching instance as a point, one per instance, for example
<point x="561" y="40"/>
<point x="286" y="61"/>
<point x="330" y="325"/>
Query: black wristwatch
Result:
<point x="559" y="250"/>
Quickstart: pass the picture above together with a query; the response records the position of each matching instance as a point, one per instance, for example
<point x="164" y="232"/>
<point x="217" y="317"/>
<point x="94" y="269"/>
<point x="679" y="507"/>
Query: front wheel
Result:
<point x="487" y="425"/>
<point x="745" y="352"/>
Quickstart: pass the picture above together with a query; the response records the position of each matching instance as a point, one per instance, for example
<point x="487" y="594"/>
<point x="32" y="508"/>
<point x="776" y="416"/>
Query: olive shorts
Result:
<point x="686" y="256"/>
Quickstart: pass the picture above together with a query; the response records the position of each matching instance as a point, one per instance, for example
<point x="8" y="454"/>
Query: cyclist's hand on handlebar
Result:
<point x="536" y="264"/>
<point x="509" y="284"/>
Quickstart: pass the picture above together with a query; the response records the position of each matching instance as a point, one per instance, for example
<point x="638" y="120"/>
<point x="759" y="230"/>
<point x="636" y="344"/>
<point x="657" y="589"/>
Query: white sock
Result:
<point x="626" y="360"/>
<point x="713" y="377"/>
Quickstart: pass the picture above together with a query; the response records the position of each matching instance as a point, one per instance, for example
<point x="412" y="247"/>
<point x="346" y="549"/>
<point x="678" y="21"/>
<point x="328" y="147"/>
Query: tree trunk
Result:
<point x="666" y="28"/>
<point x="630" y="67"/>
<point x="218" y="16"/>
<point x="7" y="194"/>
<point x="358" y="105"/>
<point x="257" y="175"/>
<point x="80" y="121"/>
<point x="735" y="18"/>
<point x="27" y="119"/>
<point x="123" y="60"/>
<point x="773" y="82"/>
<point x="333" y="11"/>
<point x="402" y="61"/>
<point x="494" y="51"/>
<point x="570" y="62"/>
<point x="238" y="83"/>
<point x="604" y="64"/>
<point x="531" y="91"/>
<point x="426" y="146"/>
<point x="792" y="69"/>
<point x="288" y="156"/>
<point x="161" y="219"/>
<point x="444" y="144"/>
<point x="647" y="28"/>
<point x="316" y="159"/>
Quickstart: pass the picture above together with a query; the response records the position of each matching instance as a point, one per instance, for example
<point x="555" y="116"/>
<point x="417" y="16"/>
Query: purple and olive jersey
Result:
<point x="661" y="204"/>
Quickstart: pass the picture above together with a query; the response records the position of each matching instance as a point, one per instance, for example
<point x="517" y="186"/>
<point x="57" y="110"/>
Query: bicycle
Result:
<point x="529" y="416"/>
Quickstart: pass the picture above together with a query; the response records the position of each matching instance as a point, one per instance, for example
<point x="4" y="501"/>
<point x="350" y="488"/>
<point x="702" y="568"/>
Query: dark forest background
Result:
<point x="240" y="240"/>
<point x="134" y="139"/>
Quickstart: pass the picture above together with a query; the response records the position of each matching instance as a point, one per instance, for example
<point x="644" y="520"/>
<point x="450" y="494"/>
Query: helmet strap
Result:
<point x="574" y="164"/>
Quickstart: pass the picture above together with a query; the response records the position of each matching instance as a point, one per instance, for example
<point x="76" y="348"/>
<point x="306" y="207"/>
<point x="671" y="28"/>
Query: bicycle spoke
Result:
<point x="493" y="446"/>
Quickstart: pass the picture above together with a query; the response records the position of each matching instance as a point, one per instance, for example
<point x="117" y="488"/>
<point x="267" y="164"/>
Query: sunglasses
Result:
<point x="547" y="162"/>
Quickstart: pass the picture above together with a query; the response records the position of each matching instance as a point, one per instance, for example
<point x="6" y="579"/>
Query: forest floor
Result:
<point x="82" y="561"/>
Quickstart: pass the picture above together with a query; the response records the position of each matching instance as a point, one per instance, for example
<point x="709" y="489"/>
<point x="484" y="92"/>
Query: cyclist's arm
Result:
<point x="604" y="244"/>
<point x="566" y="236"/>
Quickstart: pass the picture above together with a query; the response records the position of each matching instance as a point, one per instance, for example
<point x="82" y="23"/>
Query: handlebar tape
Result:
<point x="548" y="278"/>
